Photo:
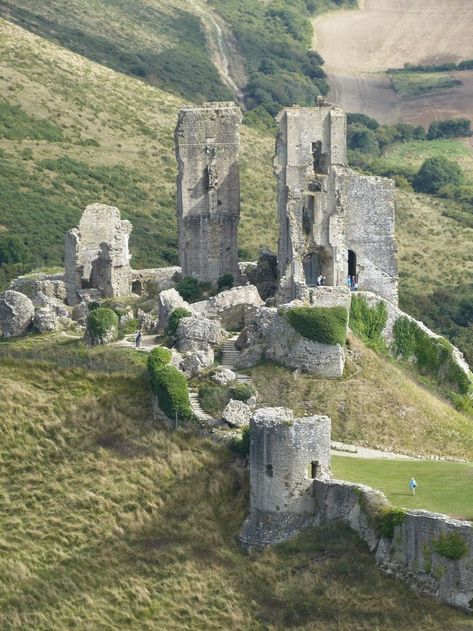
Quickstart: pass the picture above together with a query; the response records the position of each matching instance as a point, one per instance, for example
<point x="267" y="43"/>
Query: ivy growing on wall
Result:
<point x="368" y="322"/>
<point x="326" y="325"/>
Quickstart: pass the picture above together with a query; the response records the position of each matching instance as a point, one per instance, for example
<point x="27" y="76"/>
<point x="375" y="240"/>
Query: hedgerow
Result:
<point x="169" y="385"/>
<point x="368" y="322"/>
<point x="433" y="356"/>
<point x="326" y="325"/>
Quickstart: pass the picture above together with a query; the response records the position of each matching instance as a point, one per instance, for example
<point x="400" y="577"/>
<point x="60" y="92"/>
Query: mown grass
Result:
<point x="443" y="487"/>
<point x="415" y="84"/>
<point x="377" y="404"/>
<point x="108" y="521"/>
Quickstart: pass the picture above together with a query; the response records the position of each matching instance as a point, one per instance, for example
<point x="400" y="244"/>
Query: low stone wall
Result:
<point x="158" y="279"/>
<point x="327" y="296"/>
<point x="416" y="551"/>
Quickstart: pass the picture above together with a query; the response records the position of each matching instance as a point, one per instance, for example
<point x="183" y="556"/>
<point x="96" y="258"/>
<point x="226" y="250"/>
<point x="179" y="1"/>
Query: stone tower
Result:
<point x="208" y="189"/>
<point x="333" y="222"/>
<point x="286" y="455"/>
<point x="97" y="256"/>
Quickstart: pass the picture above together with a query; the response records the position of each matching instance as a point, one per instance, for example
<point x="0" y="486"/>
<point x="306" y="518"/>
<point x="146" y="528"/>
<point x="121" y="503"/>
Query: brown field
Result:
<point x="359" y="45"/>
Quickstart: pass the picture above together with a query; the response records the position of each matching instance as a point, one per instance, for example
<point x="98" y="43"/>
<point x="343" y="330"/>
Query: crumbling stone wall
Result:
<point x="332" y="222"/>
<point x="208" y="189"/>
<point x="286" y="455"/>
<point x="97" y="255"/>
<point x="411" y="554"/>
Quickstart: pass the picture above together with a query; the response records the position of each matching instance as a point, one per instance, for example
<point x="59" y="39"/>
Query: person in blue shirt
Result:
<point x="413" y="486"/>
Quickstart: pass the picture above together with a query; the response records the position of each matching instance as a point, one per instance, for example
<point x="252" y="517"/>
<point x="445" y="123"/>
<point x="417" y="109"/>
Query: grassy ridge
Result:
<point x="113" y="143"/>
<point x="110" y="522"/>
<point x="377" y="404"/>
<point x="411" y="84"/>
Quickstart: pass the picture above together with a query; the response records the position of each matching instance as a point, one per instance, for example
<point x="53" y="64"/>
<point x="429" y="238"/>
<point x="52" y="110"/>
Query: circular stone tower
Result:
<point x="286" y="455"/>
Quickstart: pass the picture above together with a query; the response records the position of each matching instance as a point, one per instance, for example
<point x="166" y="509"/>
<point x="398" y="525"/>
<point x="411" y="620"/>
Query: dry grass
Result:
<point x="379" y="405"/>
<point x="110" y="522"/>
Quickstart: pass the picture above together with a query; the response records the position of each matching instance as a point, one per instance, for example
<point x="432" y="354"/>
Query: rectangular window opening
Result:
<point x="313" y="468"/>
<point x="269" y="470"/>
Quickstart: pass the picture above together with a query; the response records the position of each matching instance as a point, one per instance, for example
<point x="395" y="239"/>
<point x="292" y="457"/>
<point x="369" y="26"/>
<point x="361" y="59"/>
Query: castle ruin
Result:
<point x="286" y="455"/>
<point x="208" y="189"/>
<point x="97" y="256"/>
<point x="333" y="222"/>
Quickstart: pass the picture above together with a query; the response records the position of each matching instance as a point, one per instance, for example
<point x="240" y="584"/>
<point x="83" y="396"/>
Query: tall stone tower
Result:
<point x="208" y="189"/>
<point x="333" y="222"/>
<point x="286" y="455"/>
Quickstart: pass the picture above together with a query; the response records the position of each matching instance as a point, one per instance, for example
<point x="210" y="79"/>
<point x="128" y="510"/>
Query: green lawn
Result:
<point x="444" y="487"/>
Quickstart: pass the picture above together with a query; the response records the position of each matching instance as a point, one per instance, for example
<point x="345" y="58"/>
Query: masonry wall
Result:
<point x="412" y="553"/>
<point x="208" y="189"/>
<point x="369" y="206"/>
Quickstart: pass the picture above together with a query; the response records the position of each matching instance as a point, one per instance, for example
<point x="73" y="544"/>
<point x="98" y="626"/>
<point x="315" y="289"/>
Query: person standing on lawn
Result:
<point x="413" y="486"/>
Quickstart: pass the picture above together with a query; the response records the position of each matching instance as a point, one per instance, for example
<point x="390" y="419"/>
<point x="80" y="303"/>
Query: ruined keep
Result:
<point x="333" y="222"/>
<point x="286" y="455"/>
<point x="208" y="189"/>
<point x="97" y="256"/>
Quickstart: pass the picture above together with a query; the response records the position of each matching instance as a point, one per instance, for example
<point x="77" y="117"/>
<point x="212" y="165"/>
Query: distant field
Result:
<point x="357" y="45"/>
<point x="443" y="487"/>
<point x="417" y="83"/>
<point x="415" y="152"/>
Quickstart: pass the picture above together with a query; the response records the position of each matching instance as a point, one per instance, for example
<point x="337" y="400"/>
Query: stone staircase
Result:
<point x="195" y="407"/>
<point x="229" y="358"/>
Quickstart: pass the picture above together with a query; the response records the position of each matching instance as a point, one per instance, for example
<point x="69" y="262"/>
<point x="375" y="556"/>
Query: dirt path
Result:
<point x="359" y="45"/>
<point x="223" y="48"/>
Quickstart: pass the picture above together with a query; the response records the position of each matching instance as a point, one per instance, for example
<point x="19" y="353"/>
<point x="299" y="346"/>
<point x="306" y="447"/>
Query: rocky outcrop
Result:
<point x="264" y="275"/>
<point x="223" y="376"/>
<point x="237" y="414"/>
<point x="198" y="334"/>
<point x="196" y="362"/>
<point x="16" y="313"/>
<point x="168" y="301"/>
<point x="235" y="308"/>
<point x="33" y="284"/>
<point x="272" y="337"/>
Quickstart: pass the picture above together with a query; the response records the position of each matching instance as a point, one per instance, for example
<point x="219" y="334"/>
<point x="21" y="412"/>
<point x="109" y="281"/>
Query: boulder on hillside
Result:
<point x="198" y="334"/>
<point x="31" y="285"/>
<point x="223" y="376"/>
<point x="195" y="363"/>
<point x="235" y="308"/>
<point x="168" y="301"/>
<point x="237" y="414"/>
<point x="16" y="313"/>
<point x="51" y="314"/>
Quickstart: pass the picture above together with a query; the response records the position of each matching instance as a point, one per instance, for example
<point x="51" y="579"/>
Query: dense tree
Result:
<point x="436" y="174"/>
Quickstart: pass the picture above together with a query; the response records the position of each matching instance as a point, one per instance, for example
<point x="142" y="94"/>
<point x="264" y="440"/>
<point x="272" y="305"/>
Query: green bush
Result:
<point x="451" y="545"/>
<point x="169" y="385"/>
<point x="387" y="521"/>
<point x="241" y="446"/>
<point x="454" y="128"/>
<point x="189" y="288"/>
<point x="326" y="325"/>
<point x="130" y="326"/>
<point x="226" y="281"/>
<point x="436" y="174"/>
<point x="102" y="325"/>
<point x="213" y="398"/>
<point x="158" y="358"/>
<point x="241" y="391"/>
<point x="434" y="356"/>
<point x="174" y="319"/>
<point x="368" y="322"/>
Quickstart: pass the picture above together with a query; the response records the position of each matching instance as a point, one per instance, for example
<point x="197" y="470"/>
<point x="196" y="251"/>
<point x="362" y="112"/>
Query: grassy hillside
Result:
<point x="376" y="404"/>
<point x="76" y="132"/>
<point x="108" y="521"/>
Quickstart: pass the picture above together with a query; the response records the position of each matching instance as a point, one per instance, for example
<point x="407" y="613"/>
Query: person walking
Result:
<point x="138" y="339"/>
<point x="413" y="486"/>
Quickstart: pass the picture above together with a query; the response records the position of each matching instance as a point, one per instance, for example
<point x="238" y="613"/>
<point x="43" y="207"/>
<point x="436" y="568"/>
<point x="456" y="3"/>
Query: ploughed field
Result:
<point x="359" y="46"/>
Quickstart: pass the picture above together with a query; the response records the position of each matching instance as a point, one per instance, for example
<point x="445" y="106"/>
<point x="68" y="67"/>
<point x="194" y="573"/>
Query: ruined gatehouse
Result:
<point x="208" y="189"/>
<point x="333" y="222"/>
